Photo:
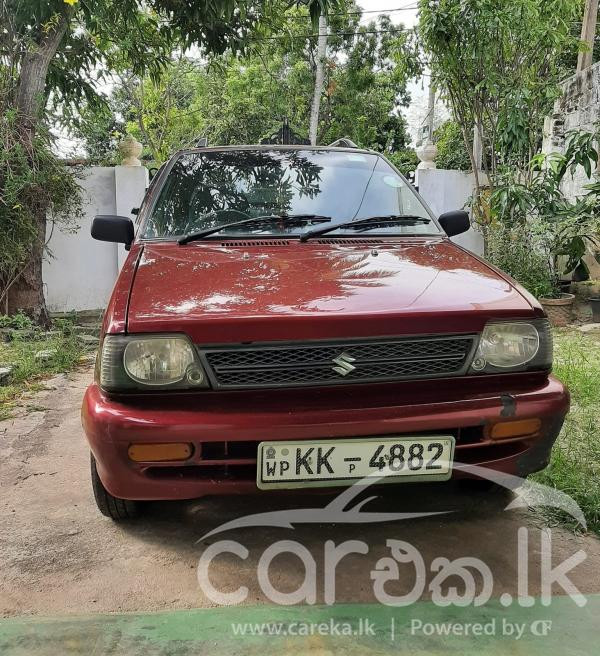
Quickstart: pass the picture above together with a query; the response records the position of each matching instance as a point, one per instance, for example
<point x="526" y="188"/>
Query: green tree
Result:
<point x="499" y="63"/>
<point x="234" y="100"/>
<point x="102" y="130"/>
<point x="50" y="53"/>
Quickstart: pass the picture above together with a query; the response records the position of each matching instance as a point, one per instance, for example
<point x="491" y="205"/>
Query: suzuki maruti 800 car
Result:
<point x="296" y="317"/>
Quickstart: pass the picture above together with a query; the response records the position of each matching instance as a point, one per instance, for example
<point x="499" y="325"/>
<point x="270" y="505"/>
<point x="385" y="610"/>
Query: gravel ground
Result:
<point x="59" y="556"/>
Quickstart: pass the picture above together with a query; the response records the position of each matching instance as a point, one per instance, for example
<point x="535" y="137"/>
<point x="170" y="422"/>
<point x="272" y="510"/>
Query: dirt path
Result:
<point x="59" y="556"/>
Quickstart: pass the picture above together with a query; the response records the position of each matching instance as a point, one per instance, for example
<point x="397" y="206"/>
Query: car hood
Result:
<point x="223" y="292"/>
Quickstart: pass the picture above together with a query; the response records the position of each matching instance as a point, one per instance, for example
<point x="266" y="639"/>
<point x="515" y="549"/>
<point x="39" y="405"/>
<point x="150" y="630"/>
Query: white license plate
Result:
<point x="322" y="463"/>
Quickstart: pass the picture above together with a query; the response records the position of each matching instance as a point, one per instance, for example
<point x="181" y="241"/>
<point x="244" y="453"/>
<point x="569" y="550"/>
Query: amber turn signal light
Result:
<point x="520" y="428"/>
<point x="159" y="452"/>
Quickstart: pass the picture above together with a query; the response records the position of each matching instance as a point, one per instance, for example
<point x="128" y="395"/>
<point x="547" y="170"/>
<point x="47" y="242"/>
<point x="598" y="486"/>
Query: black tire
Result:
<point x="117" y="509"/>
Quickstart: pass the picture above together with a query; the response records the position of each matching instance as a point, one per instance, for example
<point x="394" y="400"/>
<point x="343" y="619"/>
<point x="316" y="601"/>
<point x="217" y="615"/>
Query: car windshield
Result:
<point x="214" y="188"/>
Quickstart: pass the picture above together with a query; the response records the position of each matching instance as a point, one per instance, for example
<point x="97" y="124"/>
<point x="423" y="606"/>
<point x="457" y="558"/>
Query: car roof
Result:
<point x="208" y="149"/>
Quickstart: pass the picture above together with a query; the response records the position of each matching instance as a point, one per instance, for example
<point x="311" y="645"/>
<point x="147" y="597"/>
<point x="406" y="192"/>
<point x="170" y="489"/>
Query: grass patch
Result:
<point x="28" y="371"/>
<point x="575" y="464"/>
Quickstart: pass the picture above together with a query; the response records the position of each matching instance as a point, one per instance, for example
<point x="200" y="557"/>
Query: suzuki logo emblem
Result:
<point x="343" y="362"/>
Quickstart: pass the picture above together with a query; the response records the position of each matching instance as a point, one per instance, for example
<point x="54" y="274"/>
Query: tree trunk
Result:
<point x="27" y="293"/>
<point x="588" y="33"/>
<point x="33" y="71"/>
<point x="319" y="79"/>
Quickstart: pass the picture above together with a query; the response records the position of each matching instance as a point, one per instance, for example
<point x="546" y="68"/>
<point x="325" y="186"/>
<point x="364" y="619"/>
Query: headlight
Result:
<point x="514" y="346"/>
<point x="157" y="361"/>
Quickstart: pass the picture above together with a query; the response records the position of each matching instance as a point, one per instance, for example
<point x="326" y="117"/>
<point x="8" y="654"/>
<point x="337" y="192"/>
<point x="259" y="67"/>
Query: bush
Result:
<point x="452" y="153"/>
<point x="18" y="321"/>
<point x="514" y="250"/>
<point x="405" y="161"/>
<point x="566" y="230"/>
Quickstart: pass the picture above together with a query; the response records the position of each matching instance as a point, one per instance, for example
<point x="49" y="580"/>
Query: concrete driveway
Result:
<point x="59" y="556"/>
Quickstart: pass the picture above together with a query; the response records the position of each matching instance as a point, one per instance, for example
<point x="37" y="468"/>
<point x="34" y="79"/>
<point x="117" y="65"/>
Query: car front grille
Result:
<point x="338" y="363"/>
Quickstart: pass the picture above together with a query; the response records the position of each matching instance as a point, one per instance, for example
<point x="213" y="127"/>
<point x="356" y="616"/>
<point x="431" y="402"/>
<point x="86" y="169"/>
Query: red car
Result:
<point x="295" y="317"/>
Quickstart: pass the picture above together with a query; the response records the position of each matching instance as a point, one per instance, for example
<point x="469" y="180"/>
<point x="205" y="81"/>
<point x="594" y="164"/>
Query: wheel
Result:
<point x="117" y="509"/>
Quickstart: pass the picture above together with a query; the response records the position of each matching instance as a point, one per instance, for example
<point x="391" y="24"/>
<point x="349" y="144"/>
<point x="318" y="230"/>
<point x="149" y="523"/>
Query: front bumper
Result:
<point x="226" y="429"/>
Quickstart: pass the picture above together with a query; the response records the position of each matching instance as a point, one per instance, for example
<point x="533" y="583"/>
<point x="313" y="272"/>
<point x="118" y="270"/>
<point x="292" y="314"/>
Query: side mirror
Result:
<point x="118" y="229"/>
<point x="455" y="223"/>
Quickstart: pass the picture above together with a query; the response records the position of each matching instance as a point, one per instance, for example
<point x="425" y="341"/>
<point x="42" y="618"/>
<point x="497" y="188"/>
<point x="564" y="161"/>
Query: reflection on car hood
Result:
<point x="221" y="292"/>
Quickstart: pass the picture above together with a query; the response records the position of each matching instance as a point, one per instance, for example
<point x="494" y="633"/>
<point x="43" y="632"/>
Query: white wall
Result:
<point x="444" y="191"/>
<point x="81" y="272"/>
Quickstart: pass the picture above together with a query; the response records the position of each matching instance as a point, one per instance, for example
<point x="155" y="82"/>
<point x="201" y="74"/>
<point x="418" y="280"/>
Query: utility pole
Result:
<point x="427" y="150"/>
<point x="430" y="111"/>
<point x="588" y="34"/>
<point x="319" y="79"/>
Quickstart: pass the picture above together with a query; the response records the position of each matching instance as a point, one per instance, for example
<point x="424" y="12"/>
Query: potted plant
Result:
<point x="519" y="251"/>
<point x="559" y="308"/>
<point x="553" y="232"/>
<point x="571" y="234"/>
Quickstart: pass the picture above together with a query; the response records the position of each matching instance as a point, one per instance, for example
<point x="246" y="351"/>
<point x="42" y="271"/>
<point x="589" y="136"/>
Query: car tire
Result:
<point x="113" y="507"/>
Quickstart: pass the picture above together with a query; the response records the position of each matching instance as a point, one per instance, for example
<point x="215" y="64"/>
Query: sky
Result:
<point x="406" y="10"/>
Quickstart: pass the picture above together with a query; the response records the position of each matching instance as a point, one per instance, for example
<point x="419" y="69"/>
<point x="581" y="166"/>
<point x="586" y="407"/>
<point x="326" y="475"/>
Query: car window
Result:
<point x="206" y="190"/>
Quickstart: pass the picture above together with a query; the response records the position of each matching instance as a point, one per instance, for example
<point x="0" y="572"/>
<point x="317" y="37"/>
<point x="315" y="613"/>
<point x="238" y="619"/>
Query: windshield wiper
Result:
<point x="371" y="221"/>
<point x="267" y="218"/>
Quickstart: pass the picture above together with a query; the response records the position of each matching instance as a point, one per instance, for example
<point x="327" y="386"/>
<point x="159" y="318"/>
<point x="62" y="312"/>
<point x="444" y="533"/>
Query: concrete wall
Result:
<point x="80" y="272"/>
<point x="445" y="190"/>
<point x="578" y="108"/>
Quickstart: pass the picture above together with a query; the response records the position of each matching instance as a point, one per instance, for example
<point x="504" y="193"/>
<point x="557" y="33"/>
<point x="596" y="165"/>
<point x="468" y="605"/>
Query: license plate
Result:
<point x="325" y="463"/>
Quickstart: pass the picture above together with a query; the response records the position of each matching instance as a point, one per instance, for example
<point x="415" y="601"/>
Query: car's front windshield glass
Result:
<point x="214" y="188"/>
